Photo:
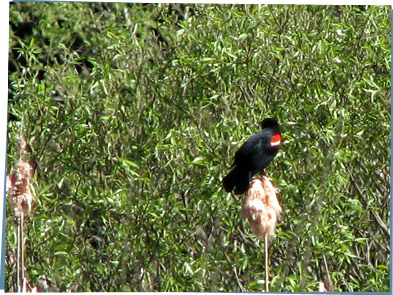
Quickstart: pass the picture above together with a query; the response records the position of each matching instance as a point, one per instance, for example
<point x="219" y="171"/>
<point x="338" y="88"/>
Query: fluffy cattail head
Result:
<point x="261" y="207"/>
<point x="23" y="145"/>
<point x="18" y="187"/>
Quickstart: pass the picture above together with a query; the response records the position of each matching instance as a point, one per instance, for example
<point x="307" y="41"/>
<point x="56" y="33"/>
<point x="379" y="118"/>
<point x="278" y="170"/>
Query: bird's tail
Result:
<point x="237" y="180"/>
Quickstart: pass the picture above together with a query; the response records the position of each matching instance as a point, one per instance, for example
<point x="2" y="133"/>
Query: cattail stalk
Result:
<point x="266" y="263"/>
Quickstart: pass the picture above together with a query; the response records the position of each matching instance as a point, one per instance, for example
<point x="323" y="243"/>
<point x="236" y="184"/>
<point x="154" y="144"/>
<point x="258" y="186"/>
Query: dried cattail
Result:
<point x="22" y="143"/>
<point x="19" y="190"/>
<point x="18" y="187"/>
<point x="324" y="286"/>
<point x="261" y="207"/>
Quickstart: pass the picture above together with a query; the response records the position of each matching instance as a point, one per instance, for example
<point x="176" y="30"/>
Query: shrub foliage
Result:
<point x="134" y="111"/>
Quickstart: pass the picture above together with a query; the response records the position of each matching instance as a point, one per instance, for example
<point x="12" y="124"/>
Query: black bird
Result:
<point x="253" y="157"/>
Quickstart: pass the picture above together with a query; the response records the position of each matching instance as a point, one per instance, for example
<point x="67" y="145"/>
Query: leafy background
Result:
<point x="134" y="111"/>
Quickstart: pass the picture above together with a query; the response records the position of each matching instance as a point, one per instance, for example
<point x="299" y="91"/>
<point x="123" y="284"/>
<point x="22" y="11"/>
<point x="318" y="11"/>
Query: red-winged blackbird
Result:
<point x="253" y="156"/>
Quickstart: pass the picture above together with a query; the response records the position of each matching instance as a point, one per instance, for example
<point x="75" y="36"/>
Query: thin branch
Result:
<point x="374" y="214"/>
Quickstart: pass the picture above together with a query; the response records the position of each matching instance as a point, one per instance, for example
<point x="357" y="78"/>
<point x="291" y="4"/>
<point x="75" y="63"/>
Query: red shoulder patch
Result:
<point x="276" y="140"/>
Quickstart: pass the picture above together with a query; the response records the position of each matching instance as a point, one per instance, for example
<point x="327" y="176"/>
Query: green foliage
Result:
<point x="134" y="111"/>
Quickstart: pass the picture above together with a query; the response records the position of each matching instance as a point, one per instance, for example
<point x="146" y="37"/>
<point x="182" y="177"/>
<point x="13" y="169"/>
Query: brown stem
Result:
<point x="22" y="251"/>
<point x="266" y="264"/>
<point x="18" y="255"/>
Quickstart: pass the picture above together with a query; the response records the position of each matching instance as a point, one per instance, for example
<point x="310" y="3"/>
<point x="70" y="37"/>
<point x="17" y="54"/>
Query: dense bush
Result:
<point x="134" y="111"/>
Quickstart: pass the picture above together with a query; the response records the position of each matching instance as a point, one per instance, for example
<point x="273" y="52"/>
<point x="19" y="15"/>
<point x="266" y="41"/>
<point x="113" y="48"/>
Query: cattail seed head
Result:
<point x="262" y="208"/>
<point x="18" y="187"/>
